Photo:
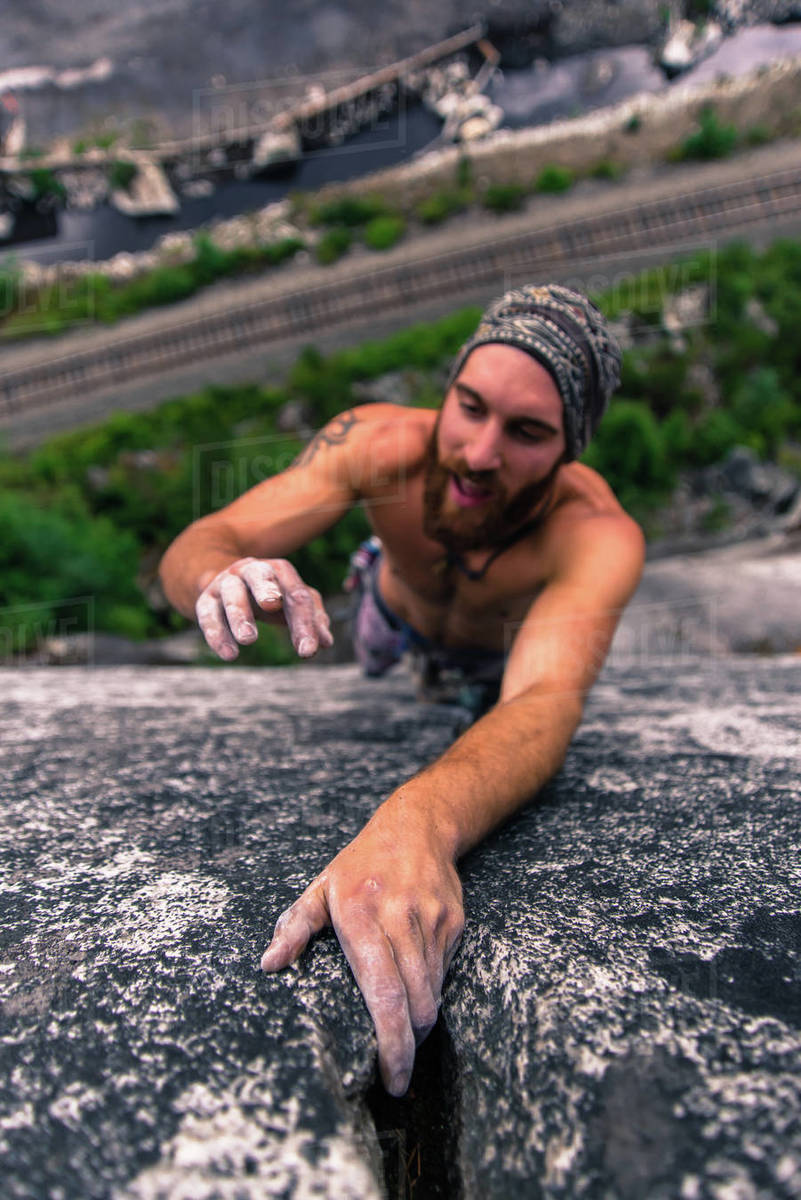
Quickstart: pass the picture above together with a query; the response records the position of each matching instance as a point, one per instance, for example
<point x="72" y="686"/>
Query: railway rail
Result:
<point x="667" y="223"/>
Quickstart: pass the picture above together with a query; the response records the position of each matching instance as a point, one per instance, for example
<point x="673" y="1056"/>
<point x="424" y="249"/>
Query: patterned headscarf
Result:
<point x="567" y="334"/>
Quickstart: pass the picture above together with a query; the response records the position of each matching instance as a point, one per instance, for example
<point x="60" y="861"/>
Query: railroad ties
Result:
<point x="380" y="291"/>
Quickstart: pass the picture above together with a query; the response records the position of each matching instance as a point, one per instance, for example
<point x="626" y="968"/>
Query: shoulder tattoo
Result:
<point x="332" y="434"/>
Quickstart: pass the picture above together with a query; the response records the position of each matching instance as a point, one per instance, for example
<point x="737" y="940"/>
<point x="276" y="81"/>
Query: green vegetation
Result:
<point x="607" y="168"/>
<point x="89" y="513"/>
<point x="504" y="197"/>
<point x="712" y="139"/>
<point x="351" y="211"/>
<point x="47" y="185"/>
<point x="553" y="178"/>
<point x="634" y="124"/>
<point x="93" y="297"/>
<point x="383" y="232"/>
<point x="443" y="203"/>
<point x="333" y="244"/>
<point x="122" y="173"/>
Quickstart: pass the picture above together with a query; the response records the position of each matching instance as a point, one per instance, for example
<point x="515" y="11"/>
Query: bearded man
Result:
<point x="499" y="560"/>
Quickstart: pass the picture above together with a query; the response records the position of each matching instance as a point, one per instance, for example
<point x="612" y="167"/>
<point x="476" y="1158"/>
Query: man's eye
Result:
<point x="530" y="435"/>
<point x="469" y="408"/>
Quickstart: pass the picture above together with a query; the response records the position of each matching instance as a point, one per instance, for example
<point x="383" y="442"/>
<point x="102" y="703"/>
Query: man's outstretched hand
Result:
<point x="394" y="899"/>
<point x="264" y="589"/>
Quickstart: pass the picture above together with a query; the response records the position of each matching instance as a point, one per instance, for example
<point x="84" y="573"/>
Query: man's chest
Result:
<point x="477" y="600"/>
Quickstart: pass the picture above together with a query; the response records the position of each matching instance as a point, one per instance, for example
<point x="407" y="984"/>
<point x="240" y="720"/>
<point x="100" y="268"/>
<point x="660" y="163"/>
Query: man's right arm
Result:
<point x="230" y="566"/>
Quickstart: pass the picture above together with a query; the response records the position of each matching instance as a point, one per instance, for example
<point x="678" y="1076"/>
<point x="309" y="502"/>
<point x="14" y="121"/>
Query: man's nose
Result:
<point x="483" y="452"/>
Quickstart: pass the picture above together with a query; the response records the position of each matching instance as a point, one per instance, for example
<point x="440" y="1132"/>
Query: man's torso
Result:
<point x="439" y="600"/>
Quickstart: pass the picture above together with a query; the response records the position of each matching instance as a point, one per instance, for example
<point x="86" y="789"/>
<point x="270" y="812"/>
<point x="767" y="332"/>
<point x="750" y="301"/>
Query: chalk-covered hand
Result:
<point x="264" y="589"/>
<point x="394" y="899"/>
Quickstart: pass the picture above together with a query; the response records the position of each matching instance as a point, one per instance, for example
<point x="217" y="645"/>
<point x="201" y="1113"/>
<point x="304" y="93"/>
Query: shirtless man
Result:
<point x="495" y="543"/>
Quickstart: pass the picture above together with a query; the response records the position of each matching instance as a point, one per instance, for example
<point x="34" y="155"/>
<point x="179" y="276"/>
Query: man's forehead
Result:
<point x="511" y="379"/>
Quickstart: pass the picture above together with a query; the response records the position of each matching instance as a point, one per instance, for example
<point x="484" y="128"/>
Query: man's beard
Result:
<point x="488" y="524"/>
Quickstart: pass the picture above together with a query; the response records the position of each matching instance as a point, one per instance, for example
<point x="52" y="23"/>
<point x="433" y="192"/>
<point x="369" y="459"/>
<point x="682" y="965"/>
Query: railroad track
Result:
<point x="377" y="292"/>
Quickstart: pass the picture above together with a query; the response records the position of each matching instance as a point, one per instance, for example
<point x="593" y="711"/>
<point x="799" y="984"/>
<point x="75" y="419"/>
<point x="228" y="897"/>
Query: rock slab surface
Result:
<point x="622" y="1020"/>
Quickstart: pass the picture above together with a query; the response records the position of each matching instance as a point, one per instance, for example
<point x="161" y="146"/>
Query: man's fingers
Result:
<point x="416" y="973"/>
<point x="263" y="583"/>
<point x="238" y="612"/>
<point x="371" y="959"/>
<point x="213" y="626"/>
<point x="323" y="622"/>
<point x="299" y="609"/>
<point x="306" y="916"/>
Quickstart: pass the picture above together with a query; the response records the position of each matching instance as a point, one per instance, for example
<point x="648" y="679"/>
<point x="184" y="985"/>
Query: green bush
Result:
<point x="46" y="184"/>
<point x="333" y="244"/>
<point x="351" y="211"/>
<point x="607" y="168"/>
<point x="504" y="197"/>
<point x="633" y="124"/>
<point x="628" y="450"/>
<point x="51" y="561"/>
<point x="442" y="204"/>
<point x="711" y="140"/>
<point x="383" y="232"/>
<point x="715" y="434"/>
<point x="121" y="174"/>
<point x="764" y="411"/>
<point x="280" y="251"/>
<point x="553" y="178"/>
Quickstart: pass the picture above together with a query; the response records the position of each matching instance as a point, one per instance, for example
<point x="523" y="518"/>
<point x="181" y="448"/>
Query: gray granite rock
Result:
<point x="626" y="1013"/>
<point x="622" y="1019"/>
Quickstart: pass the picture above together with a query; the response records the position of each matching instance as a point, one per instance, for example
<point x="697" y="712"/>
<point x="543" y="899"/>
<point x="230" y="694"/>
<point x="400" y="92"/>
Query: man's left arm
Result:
<point x="393" y="894"/>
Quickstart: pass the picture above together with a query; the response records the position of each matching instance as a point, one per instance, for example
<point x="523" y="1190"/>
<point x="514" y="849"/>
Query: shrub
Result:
<point x="441" y="204"/>
<point x="710" y="140"/>
<point x="553" y="178"/>
<point x="351" y="211"/>
<point x="607" y="168"/>
<point x="629" y="452"/>
<point x="46" y="184"/>
<point x="333" y="244"/>
<point x="383" y="232"/>
<point x="280" y="251"/>
<point x="121" y="174"/>
<point x="633" y="124"/>
<point x="48" y="558"/>
<point x="504" y="197"/>
<point x="715" y="434"/>
<point x="763" y="410"/>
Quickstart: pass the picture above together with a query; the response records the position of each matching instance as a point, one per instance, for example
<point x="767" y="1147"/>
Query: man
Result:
<point x="496" y="547"/>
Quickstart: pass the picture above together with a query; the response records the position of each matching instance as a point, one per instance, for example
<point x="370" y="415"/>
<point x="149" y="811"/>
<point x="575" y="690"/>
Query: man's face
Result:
<point x="494" y="451"/>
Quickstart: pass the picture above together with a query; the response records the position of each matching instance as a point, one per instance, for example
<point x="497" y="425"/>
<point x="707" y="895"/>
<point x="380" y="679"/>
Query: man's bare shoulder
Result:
<point x="588" y="522"/>
<point x="390" y="441"/>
